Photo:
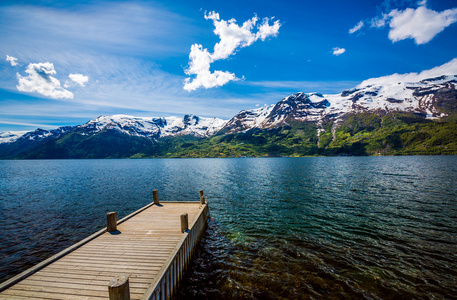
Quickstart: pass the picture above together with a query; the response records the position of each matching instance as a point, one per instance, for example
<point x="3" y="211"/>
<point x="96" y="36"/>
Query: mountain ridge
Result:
<point x="423" y="97"/>
<point x="315" y="120"/>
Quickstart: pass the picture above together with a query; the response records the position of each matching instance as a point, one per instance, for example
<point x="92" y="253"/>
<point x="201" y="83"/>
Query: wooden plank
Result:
<point x="93" y="278"/>
<point x="10" y="297"/>
<point x="96" y="272"/>
<point x="120" y="247"/>
<point x="96" y="262"/>
<point x="126" y="254"/>
<point x="83" y="281"/>
<point x="126" y="251"/>
<point x="61" y="291"/>
<point x="132" y="259"/>
<point x="101" y="266"/>
<point x="72" y="289"/>
<point x="91" y="274"/>
<point x="112" y="269"/>
<point x="33" y="295"/>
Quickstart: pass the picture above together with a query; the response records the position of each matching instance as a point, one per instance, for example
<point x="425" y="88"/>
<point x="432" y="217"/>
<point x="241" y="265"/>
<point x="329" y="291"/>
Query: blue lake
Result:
<point x="330" y="227"/>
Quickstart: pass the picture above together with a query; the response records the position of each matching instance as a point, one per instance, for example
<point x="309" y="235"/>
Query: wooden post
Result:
<point x="111" y="221"/>
<point x="155" y="195"/>
<point x="202" y="198"/>
<point x="118" y="288"/>
<point x="184" y="222"/>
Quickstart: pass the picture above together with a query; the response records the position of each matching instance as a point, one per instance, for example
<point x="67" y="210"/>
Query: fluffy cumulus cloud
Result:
<point x="41" y="81"/>
<point x="199" y="64"/>
<point x="356" y="27"/>
<point x="12" y="60"/>
<point x="79" y="79"/>
<point x="232" y="37"/>
<point x="421" y="24"/>
<point x="338" y="51"/>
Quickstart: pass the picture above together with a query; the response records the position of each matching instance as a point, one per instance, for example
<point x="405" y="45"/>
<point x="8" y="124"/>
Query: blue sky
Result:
<point x="66" y="62"/>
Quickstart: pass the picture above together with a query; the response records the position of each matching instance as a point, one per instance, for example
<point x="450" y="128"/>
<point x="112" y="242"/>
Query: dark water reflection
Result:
<point x="352" y="227"/>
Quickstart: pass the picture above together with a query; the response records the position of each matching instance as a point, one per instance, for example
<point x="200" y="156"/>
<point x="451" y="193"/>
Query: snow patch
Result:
<point x="10" y="136"/>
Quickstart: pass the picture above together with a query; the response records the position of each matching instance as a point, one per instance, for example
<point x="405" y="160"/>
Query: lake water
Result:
<point x="336" y="227"/>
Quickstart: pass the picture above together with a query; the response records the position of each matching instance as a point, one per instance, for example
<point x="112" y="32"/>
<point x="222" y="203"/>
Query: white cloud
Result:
<point x="421" y="24"/>
<point x="200" y="61"/>
<point x="79" y="78"/>
<point x="356" y="27"/>
<point x="40" y="81"/>
<point x="422" y="3"/>
<point x="449" y="68"/>
<point x="232" y="37"/>
<point x="12" y="60"/>
<point x="265" y="30"/>
<point x="338" y="51"/>
<point x="379" y="22"/>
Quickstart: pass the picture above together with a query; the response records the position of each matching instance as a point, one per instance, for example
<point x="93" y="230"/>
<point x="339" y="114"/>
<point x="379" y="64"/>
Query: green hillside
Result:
<point x="377" y="133"/>
<point x="360" y="134"/>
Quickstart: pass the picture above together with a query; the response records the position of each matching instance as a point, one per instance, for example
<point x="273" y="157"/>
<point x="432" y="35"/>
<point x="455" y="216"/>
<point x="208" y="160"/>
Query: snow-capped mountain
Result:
<point x="296" y="107"/>
<point x="247" y="119"/>
<point x="13" y="136"/>
<point x="152" y="128"/>
<point x="431" y="97"/>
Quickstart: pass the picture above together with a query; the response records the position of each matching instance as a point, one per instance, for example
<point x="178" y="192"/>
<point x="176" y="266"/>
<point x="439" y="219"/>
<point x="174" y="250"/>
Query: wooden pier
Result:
<point x="142" y="256"/>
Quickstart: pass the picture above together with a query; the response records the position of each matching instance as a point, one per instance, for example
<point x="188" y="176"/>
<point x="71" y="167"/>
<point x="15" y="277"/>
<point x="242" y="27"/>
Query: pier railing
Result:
<point x="170" y="275"/>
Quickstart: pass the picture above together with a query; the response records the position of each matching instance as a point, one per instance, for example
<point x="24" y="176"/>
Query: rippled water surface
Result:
<point x="340" y="227"/>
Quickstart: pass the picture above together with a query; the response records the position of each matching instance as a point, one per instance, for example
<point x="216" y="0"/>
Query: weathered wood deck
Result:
<point x="148" y="247"/>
